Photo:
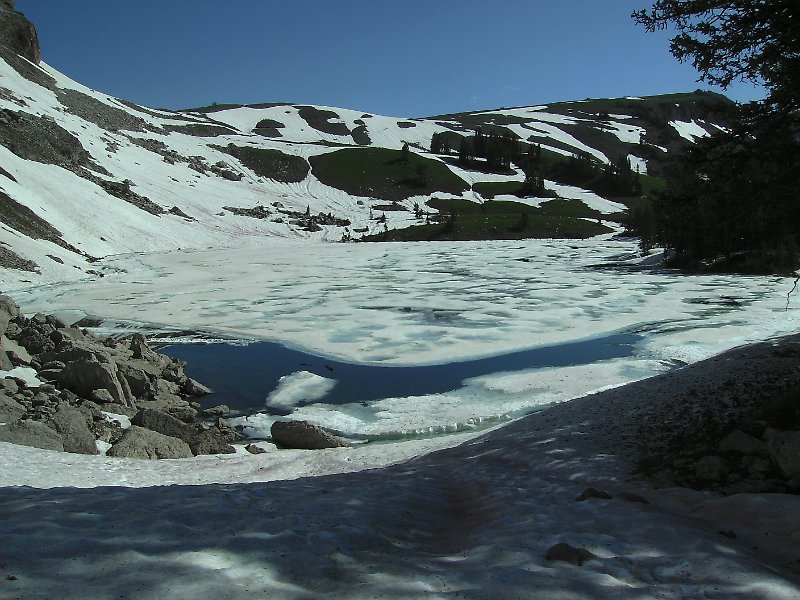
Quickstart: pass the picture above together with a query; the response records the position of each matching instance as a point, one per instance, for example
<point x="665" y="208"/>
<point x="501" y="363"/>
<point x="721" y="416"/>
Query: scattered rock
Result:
<point x="253" y="449"/>
<point x="8" y="312"/>
<point x="164" y="423"/>
<point x="184" y="411"/>
<point x="211" y="441"/>
<point x="304" y="436"/>
<point x="138" y="442"/>
<point x="631" y="497"/>
<point x="89" y="373"/>
<point x="15" y="353"/>
<point x="593" y="493"/>
<point x="193" y="388"/>
<point x="566" y="553"/>
<point x="711" y="468"/>
<point x="86" y="376"/>
<point x="742" y="443"/>
<point x="70" y="423"/>
<point x="10" y="409"/>
<point x="784" y="448"/>
<point x="36" y="434"/>
<point x="217" y="411"/>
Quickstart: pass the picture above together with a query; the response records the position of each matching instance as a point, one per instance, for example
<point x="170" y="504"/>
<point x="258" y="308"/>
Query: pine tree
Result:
<point x="733" y="196"/>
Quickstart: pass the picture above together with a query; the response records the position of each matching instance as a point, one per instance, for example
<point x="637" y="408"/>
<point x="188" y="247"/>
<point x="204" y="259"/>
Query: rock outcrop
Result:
<point x="84" y="378"/>
<point x="31" y="433"/>
<point x="302" y="435"/>
<point x="138" y="442"/>
<point x="17" y="33"/>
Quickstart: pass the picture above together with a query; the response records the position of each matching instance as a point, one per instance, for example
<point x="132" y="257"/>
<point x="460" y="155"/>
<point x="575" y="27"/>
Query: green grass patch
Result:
<point x="322" y="120"/>
<point x="490" y="189"/>
<point x="499" y="220"/>
<point x="652" y="185"/>
<point x="574" y="209"/>
<point x="382" y="173"/>
<point x="269" y="163"/>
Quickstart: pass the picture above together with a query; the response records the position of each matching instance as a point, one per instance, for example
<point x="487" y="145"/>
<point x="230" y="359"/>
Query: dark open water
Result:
<point x="243" y="376"/>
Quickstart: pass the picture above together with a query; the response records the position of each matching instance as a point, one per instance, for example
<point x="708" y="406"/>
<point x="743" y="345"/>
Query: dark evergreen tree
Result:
<point x="405" y="153"/>
<point x="465" y="152"/>
<point x="733" y="198"/>
<point x="439" y="144"/>
<point x="731" y="40"/>
<point x="421" y="179"/>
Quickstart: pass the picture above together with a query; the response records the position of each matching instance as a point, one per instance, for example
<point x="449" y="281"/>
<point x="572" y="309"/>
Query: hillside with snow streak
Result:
<point x="84" y="175"/>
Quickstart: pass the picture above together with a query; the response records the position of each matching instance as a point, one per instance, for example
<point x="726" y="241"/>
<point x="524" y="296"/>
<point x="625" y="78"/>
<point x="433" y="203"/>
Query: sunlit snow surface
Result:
<point x="413" y="304"/>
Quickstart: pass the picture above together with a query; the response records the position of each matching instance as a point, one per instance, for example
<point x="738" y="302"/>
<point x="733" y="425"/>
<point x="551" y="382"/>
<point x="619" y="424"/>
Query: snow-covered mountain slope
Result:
<point x="85" y="175"/>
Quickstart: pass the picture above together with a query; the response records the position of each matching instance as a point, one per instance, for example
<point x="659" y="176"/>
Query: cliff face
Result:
<point x="17" y="33"/>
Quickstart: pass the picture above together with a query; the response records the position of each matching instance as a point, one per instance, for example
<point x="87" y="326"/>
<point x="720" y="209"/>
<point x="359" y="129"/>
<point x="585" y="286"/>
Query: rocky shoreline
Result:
<point x="72" y="391"/>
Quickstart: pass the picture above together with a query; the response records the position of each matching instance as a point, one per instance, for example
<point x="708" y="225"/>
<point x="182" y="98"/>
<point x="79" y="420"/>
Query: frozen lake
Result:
<point x="413" y="305"/>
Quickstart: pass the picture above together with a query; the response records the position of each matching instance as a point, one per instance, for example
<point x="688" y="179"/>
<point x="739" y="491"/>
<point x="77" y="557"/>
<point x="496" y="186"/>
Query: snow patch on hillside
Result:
<point x="690" y="130"/>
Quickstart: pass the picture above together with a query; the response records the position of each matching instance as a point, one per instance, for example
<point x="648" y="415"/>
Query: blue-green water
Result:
<point x="242" y="376"/>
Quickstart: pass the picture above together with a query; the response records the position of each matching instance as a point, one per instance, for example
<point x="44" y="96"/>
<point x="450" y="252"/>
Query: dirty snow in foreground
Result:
<point x="469" y="521"/>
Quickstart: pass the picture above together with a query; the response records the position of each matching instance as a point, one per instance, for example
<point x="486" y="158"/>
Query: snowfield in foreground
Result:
<point x="475" y="520"/>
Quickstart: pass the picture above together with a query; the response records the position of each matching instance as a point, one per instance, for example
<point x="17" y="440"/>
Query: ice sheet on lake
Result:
<point x="298" y="387"/>
<point x="437" y="302"/>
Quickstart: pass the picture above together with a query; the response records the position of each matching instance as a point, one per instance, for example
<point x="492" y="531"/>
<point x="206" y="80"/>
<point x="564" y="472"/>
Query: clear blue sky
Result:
<point x="400" y="58"/>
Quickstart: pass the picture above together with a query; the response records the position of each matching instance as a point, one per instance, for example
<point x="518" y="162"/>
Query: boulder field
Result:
<point x="67" y="389"/>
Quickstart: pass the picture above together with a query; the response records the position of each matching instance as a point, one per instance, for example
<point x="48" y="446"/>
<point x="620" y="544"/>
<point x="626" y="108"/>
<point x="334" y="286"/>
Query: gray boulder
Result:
<point x="5" y="362"/>
<point x="743" y="443"/>
<point x="166" y="393"/>
<point x="193" y="388"/>
<point x="784" y="448"/>
<point x="183" y="411"/>
<point x="15" y="353"/>
<point x="217" y="411"/>
<point x="140" y="350"/>
<point x="66" y="334"/>
<point x="34" y="340"/>
<point x="85" y="376"/>
<point x="102" y="396"/>
<point x="211" y="441"/>
<point x="10" y="409"/>
<point x="69" y="355"/>
<point x="711" y="468"/>
<point x="138" y="442"/>
<point x="31" y="433"/>
<point x="304" y="436"/>
<point x="138" y="381"/>
<point x="9" y="385"/>
<point x="8" y="311"/>
<point x="159" y="421"/>
<point x="253" y="449"/>
<point x="71" y="424"/>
